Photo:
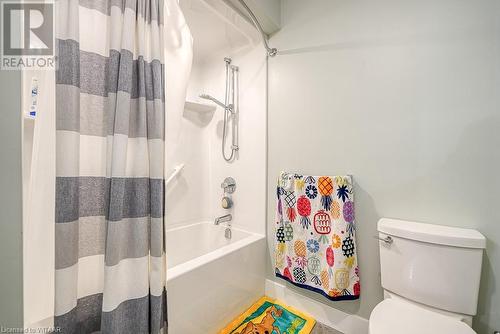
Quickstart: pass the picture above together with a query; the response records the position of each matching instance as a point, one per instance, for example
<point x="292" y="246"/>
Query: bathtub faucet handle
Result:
<point x="229" y="185"/>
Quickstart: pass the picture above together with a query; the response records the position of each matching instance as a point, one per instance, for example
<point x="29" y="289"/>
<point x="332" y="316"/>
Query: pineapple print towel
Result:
<point x="315" y="235"/>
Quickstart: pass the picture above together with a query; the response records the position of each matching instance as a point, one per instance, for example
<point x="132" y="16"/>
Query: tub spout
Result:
<point x="223" y="219"/>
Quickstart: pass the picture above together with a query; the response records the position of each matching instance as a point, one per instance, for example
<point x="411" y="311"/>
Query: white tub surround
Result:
<point x="211" y="279"/>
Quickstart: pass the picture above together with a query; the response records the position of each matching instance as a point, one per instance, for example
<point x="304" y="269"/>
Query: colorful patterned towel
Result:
<point x="270" y="316"/>
<point x="315" y="235"/>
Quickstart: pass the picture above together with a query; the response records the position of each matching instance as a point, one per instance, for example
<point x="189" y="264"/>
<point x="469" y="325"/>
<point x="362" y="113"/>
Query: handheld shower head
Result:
<point x="213" y="99"/>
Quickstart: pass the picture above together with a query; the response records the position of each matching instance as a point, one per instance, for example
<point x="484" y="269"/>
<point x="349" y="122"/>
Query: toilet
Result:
<point x="430" y="276"/>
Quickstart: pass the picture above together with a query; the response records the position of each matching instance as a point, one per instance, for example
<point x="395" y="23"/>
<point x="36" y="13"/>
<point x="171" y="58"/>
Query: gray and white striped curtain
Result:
<point x="110" y="252"/>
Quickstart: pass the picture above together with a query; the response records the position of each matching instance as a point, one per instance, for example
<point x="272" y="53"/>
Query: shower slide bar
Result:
<point x="270" y="51"/>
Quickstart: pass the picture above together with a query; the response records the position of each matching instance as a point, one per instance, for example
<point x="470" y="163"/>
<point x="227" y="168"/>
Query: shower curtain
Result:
<point x="110" y="251"/>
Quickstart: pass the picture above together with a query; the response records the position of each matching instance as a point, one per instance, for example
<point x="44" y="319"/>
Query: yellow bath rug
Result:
<point x="270" y="316"/>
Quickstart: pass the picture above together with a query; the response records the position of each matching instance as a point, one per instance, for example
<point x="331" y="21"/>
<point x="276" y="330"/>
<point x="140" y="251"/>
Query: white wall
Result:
<point x="404" y="96"/>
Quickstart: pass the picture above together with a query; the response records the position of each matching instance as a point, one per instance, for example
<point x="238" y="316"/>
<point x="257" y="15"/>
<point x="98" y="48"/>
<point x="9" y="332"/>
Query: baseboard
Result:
<point x="339" y="320"/>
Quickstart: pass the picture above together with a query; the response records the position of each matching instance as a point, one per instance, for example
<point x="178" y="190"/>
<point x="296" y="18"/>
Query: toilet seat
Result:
<point x="396" y="317"/>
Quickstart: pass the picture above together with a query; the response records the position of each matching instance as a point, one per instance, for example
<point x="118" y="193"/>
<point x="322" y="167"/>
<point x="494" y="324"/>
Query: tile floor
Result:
<point x="323" y="329"/>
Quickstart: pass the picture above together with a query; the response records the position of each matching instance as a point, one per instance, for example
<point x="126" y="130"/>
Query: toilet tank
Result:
<point x="439" y="266"/>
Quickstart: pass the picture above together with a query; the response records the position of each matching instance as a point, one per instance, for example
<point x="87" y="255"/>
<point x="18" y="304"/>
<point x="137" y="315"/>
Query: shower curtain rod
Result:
<point x="270" y="51"/>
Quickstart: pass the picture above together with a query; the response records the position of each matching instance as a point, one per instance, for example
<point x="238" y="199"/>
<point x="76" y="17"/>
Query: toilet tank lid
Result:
<point x="436" y="234"/>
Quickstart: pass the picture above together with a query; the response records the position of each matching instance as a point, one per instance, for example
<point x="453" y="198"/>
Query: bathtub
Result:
<point x="210" y="279"/>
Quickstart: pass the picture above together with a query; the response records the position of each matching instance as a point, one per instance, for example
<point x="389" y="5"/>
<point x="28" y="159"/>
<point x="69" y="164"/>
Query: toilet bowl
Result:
<point x="430" y="275"/>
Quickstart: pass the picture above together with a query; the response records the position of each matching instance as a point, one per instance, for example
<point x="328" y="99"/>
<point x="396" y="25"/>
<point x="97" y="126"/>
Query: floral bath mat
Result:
<point x="316" y="235"/>
<point x="270" y="316"/>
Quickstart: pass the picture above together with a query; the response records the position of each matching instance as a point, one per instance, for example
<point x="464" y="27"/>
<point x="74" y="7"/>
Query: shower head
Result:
<point x="213" y="99"/>
<point x="205" y="96"/>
